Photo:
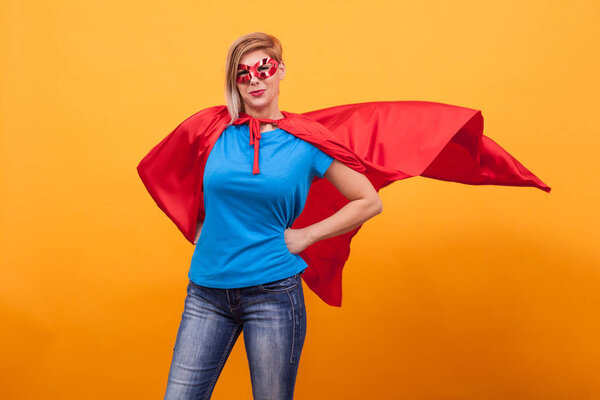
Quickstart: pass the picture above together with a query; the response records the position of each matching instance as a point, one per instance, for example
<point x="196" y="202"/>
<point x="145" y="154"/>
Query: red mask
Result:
<point x="262" y="69"/>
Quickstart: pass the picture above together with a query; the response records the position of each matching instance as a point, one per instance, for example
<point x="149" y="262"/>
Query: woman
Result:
<point x="243" y="276"/>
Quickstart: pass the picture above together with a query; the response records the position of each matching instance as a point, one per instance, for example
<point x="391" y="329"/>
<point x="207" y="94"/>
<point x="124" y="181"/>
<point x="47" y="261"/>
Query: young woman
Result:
<point x="244" y="274"/>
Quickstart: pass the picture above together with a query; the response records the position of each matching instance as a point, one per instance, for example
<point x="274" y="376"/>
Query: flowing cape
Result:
<point x="386" y="141"/>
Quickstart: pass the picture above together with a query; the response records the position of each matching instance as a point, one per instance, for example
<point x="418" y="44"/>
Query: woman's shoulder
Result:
<point x="304" y="125"/>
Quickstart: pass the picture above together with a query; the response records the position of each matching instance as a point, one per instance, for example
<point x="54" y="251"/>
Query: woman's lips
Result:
<point x="257" y="93"/>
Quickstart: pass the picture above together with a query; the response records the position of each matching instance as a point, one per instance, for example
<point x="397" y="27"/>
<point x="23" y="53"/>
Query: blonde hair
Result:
<point x="242" y="45"/>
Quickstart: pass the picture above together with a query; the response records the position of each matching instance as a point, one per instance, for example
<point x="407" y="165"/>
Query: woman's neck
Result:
<point x="273" y="113"/>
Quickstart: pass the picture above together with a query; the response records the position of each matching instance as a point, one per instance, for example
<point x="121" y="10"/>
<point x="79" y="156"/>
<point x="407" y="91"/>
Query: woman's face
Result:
<point x="269" y="86"/>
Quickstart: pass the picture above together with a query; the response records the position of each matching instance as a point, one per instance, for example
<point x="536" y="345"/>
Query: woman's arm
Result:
<point x="364" y="204"/>
<point x="198" y="230"/>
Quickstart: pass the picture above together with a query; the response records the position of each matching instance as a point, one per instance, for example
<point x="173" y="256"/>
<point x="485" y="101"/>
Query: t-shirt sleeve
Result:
<point x="321" y="162"/>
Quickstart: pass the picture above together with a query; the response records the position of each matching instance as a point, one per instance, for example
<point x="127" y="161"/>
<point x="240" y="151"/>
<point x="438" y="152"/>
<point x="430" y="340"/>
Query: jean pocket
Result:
<point x="280" y="285"/>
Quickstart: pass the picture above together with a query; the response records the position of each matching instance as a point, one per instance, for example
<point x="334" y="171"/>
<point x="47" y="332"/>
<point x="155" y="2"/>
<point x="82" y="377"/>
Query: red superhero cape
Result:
<point x="386" y="141"/>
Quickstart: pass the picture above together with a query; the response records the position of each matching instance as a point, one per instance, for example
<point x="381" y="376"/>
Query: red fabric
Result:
<point x="386" y="141"/>
<point x="254" y="125"/>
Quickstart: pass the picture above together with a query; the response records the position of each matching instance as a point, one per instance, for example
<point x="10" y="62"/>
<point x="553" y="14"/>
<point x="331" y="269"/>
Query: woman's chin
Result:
<point x="258" y="102"/>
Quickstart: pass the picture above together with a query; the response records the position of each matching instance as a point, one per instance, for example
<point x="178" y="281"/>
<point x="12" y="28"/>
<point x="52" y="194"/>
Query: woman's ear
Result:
<point x="281" y="70"/>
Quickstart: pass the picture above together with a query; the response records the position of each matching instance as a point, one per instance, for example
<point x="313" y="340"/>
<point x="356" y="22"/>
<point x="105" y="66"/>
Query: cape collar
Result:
<point x="255" y="136"/>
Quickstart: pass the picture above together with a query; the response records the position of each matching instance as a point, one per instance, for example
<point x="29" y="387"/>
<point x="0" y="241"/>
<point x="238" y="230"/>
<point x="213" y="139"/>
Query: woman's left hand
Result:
<point x="296" y="240"/>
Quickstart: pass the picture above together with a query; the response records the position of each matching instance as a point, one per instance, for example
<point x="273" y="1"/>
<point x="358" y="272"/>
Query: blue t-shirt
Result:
<point x="242" y="240"/>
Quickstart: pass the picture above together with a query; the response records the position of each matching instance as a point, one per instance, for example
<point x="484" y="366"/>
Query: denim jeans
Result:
<point x="271" y="315"/>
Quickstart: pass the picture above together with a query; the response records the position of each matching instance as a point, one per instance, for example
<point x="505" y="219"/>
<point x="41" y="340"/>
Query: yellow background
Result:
<point x="453" y="292"/>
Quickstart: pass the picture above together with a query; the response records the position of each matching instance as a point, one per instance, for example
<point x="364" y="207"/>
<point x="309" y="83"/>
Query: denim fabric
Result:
<point x="272" y="317"/>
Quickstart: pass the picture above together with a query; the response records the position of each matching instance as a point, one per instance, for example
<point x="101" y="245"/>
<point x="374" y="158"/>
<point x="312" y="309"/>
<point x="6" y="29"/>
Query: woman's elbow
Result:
<point x="379" y="205"/>
<point x="376" y="205"/>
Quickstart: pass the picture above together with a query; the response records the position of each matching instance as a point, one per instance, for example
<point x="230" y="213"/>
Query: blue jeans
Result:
<point x="273" y="318"/>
